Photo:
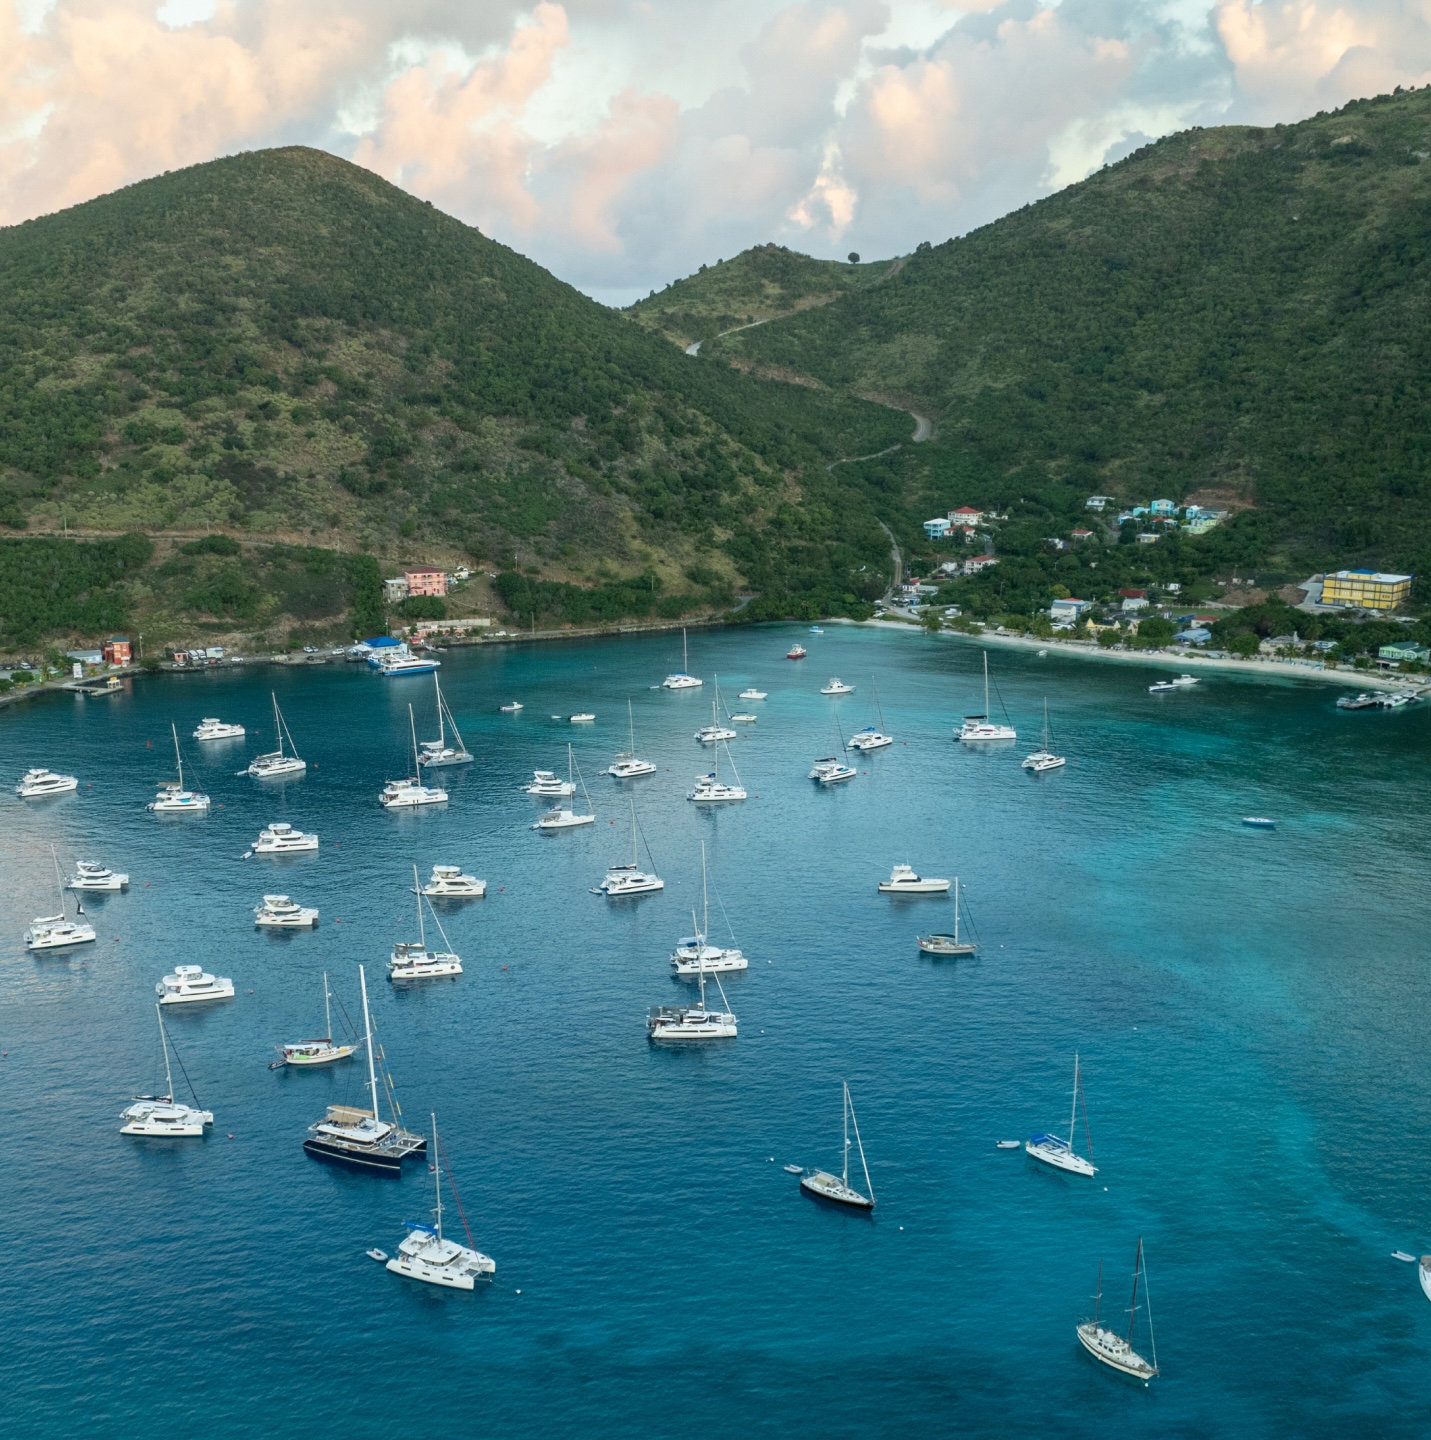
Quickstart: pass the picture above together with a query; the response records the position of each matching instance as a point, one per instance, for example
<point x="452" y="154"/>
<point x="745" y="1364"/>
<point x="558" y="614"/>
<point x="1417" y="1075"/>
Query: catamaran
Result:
<point x="161" y="1115"/>
<point x="413" y="960"/>
<point x="447" y="882"/>
<point x="212" y="728"/>
<point x="281" y="838"/>
<point x="58" y="932"/>
<point x="872" y="737"/>
<point x="547" y="784"/>
<point x="825" y="1186"/>
<point x="1058" y="1152"/>
<point x="628" y="765"/>
<point x="409" y="793"/>
<point x="714" y="732"/>
<point x="37" y="782"/>
<point x="1043" y="758"/>
<point x="441" y="751"/>
<point x="682" y="1023"/>
<point x="950" y="944"/>
<point x="564" y="817"/>
<point x="711" y="789"/>
<point x="173" y="798"/>
<point x="91" y="876"/>
<point x="1117" y="1350"/>
<point x="323" y="1051"/>
<point x="192" y="984"/>
<point x="979" y="727"/>
<point x="682" y="679"/>
<point x="278" y="762"/>
<point x="694" y="955"/>
<point x="622" y="880"/>
<point x="278" y="912"/>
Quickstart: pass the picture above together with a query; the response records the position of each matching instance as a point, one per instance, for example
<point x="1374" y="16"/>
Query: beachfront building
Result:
<point x="1193" y="635"/>
<point x="1403" y="653"/>
<point x="1366" y="589"/>
<point x="1068" y="612"/>
<point x="426" y="580"/>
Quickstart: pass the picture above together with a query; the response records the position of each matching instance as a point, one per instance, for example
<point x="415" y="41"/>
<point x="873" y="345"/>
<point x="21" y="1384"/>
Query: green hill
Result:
<point x="1236" y="311"/>
<point x="284" y="349"/>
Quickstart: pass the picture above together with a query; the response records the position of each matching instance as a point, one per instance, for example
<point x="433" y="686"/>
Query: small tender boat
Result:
<point x="512" y="708"/>
<point x="190" y="984"/>
<point x="279" y="912"/>
<point x="752" y="694"/>
<point x="1006" y="1144"/>
<point x="796" y="652"/>
<point x="39" y="782"/>
<point x="1259" y="822"/>
<point x="903" y="880"/>
<point x="381" y="1256"/>
<point x="1181" y="682"/>
<point x="794" y="1169"/>
<point x="211" y="728"/>
<point x="824" y="1186"/>
<point x="89" y="876"/>
<point x="1403" y="1257"/>
<point x="1114" y="1350"/>
<point x="836" y="686"/>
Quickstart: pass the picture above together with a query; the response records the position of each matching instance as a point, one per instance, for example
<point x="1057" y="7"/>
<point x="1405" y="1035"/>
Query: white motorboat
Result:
<point x="1059" y="1153"/>
<point x="323" y="1051"/>
<point x="872" y="737"/>
<point x="89" y="876"/>
<point x="190" y="984"/>
<point x="627" y="765"/>
<point x="442" y="751"/>
<point x="161" y="1116"/>
<point x="512" y="708"/>
<point x="172" y="798"/>
<point x="694" y="955"/>
<point x="279" y="912"/>
<point x="546" y="784"/>
<point x="824" y="1186"/>
<point x="409" y="793"/>
<point x="447" y="882"/>
<point x="979" y="728"/>
<point x="1181" y="682"/>
<point x="711" y="789"/>
<point x="406" y="663"/>
<point x="278" y="762"/>
<point x="832" y="771"/>
<point x="836" y="686"/>
<point x="1423" y="1272"/>
<point x="904" y="881"/>
<point x="211" y="728"/>
<point x="951" y="944"/>
<point x="427" y="1256"/>
<point x="623" y="880"/>
<point x="1113" y="1349"/>
<point x="564" y="817"/>
<point x="682" y="679"/>
<point x="683" y="1023"/>
<point x="413" y="960"/>
<point x="347" y="1135"/>
<point x="281" y="838"/>
<point x="59" y="932"/>
<point x="752" y="694"/>
<point x="743" y="717"/>
<point x="584" y="717"/>
<point x="38" y="782"/>
<point x="1043" y="759"/>
<point x="715" y="732"/>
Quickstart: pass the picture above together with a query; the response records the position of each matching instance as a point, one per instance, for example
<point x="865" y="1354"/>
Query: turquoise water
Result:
<point x="1250" y="1008"/>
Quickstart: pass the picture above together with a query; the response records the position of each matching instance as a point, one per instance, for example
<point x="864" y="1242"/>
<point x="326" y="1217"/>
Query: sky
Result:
<point x="623" y="143"/>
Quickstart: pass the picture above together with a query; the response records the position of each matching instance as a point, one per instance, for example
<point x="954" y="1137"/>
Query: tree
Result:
<point x="854" y="257"/>
<point x="1244" y="643"/>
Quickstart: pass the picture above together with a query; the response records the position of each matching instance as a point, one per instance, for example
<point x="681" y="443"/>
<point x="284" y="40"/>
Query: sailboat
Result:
<point x="348" y="1135"/>
<point x="426" y="1255"/>
<point x="711" y="789"/>
<point x="1060" y="1153"/>
<point x="439" y="752"/>
<point x="832" y="770"/>
<point x="409" y="793"/>
<point x="173" y="798"/>
<point x="322" y="1051"/>
<point x="629" y="879"/>
<point x="825" y="1186"/>
<point x="1043" y="758"/>
<point x="627" y="765"/>
<point x="415" y="961"/>
<point x="949" y="944"/>
<point x="694" y="954"/>
<point x="979" y="727"/>
<point x="58" y="932"/>
<point x="277" y="762"/>
<point x="160" y="1114"/>
<point x="681" y="1023"/>
<point x="682" y="679"/>
<point x="563" y="817"/>
<point x="872" y="737"/>
<point x="1116" y="1350"/>
<point x="714" y="732"/>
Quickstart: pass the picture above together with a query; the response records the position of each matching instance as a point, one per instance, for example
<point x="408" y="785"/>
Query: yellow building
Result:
<point x="1369" y="589"/>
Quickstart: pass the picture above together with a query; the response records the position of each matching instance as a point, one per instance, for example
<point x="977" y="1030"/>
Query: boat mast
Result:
<point x="441" y="732"/>
<point x="60" y="884"/>
<point x="277" y="723"/>
<point x="1045" y="724"/>
<point x="630" y="729"/>
<point x="1133" y="1306"/>
<point x="416" y="764"/>
<point x="421" y="929"/>
<point x="1073" y="1113"/>
<point x="178" y="758"/>
<point x="845" y="1118"/>
<point x="1098" y="1298"/>
<point x="368" y="1040"/>
<point x="705" y="900"/>
<point x="164" y="1042"/>
<point x="956" y="910"/>
<point x="986" y="684"/>
<point x="879" y="710"/>
<point x="863" y="1164"/>
<point x="327" y="1011"/>
<point x="437" y="1174"/>
<point x="635" y="853"/>
<point x="685" y="653"/>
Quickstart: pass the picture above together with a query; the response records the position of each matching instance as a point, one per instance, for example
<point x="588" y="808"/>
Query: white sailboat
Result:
<point x="172" y="798"/>
<point x="949" y="944"/>
<point x="1043" y="759"/>
<point x="683" y="1023"/>
<point x="441" y="751"/>
<point x="161" y="1115"/>
<point x="408" y="794"/>
<point x="427" y="1256"/>
<point x="628" y="766"/>
<point x="1113" y="1349"/>
<point x="825" y="1186"/>
<point x="322" y="1051"/>
<point x="979" y="727"/>
<point x="711" y="789"/>
<point x="694" y="955"/>
<point x="1059" y="1153"/>
<point x="682" y="679"/>
<point x="872" y="737"/>
<point x="622" y="880"/>
<point x="59" y="932"/>
<point x="278" y="762"/>
<point x="714" y="732"/>
<point x="564" y="817"/>
<point x="414" y="961"/>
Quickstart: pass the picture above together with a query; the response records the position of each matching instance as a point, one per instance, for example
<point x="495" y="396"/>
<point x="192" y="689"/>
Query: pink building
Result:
<point x="426" y="580"/>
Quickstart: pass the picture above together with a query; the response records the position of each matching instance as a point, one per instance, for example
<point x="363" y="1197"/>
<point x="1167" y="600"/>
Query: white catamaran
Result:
<point x="682" y="679"/>
<point x="161" y="1115"/>
<point x="1043" y="759"/>
<point x="443" y="751"/>
<point x="565" y="817"/>
<point x="978" y="728"/>
<point x="694" y="955"/>
<point x="409" y="793"/>
<point x="412" y="960"/>
<point x="628" y="765"/>
<point x="629" y="879"/>
<point x="172" y="798"/>
<point x="278" y="762"/>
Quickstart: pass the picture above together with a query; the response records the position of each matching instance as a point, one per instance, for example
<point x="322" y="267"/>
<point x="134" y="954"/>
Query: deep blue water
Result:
<point x="1251" y="1009"/>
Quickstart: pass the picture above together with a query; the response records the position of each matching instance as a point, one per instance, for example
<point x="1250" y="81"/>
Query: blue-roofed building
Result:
<point x="1197" y="635"/>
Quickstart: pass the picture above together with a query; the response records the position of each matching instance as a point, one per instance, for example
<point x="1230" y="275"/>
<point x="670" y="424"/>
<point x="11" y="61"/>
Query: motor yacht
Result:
<point x="190" y="984"/>
<point x="1059" y="1153"/>
<point x="753" y="694"/>
<point x="442" y="751"/>
<point x="407" y="664"/>
<point x="836" y="686"/>
<point x="1364" y="701"/>
<point x="903" y="881"/>
<point x="564" y="817"/>
<point x="89" y="876"/>
<point x="824" y="1186"/>
<point x="710" y="734"/>
<point x="58" y="932"/>
<point x="173" y="798"/>
<point x="412" y="960"/>
<point x="427" y="1256"/>
<point x="281" y="913"/>
<point x="447" y="882"/>
<point x="37" y="783"/>
<point x="281" y="838"/>
<point x="682" y="679"/>
<point x="979" y="728"/>
<point x="546" y="784"/>
<point x="743" y="717"/>
<point x="796" y="652"/>
<point x="512" y="708"/>
<point x="584" y="717"/>
<point x="211" y="728"/>
<point x="161" y="1116"/>
<point x="684" y="1023"/>
<point x="278" y="762"/>
<point x="831" y="771"/>
<point x="409" y="793"/>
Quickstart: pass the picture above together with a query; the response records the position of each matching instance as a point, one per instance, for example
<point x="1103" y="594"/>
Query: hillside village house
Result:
<point x="395" y="590"/>
<point x="1134" y="599"/>
<point x="967" y="515"/>
<point x="1098" y="502"/>
<point x="426" y="580"/>
<point x="975" y="563"/>
<point x="938" y="528"/>
<point x="1082" y="534"/>
<point x="1368" y="589"/>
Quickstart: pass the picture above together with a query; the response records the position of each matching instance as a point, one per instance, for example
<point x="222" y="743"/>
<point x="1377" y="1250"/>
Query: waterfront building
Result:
<point x="1403" y="652"/>
<point x="1367" y="589"/>
<point x="117" y="650"/>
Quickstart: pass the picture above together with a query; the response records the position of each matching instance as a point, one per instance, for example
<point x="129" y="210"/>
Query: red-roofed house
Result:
<point x="966" y="515"/>
<point x="975" y="563"/>
<point x="1082" y="534"/>
<point x="426" y="580"/>
<point x="1132" y="594"/>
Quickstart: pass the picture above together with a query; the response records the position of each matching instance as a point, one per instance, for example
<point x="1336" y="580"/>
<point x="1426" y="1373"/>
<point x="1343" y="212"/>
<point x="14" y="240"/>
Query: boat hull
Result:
<point x="373" y="1161"/>
<point x="1111" y="1350"/>
<point x="1059" y="1159"/>
<point x="833" y="1191"/>
<point x="939" y="945"/>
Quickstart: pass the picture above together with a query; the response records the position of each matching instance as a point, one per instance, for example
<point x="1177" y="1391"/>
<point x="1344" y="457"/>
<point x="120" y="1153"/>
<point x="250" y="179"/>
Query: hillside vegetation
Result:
<point x="283" y="346"/>
<point x="1237" y="312"/>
